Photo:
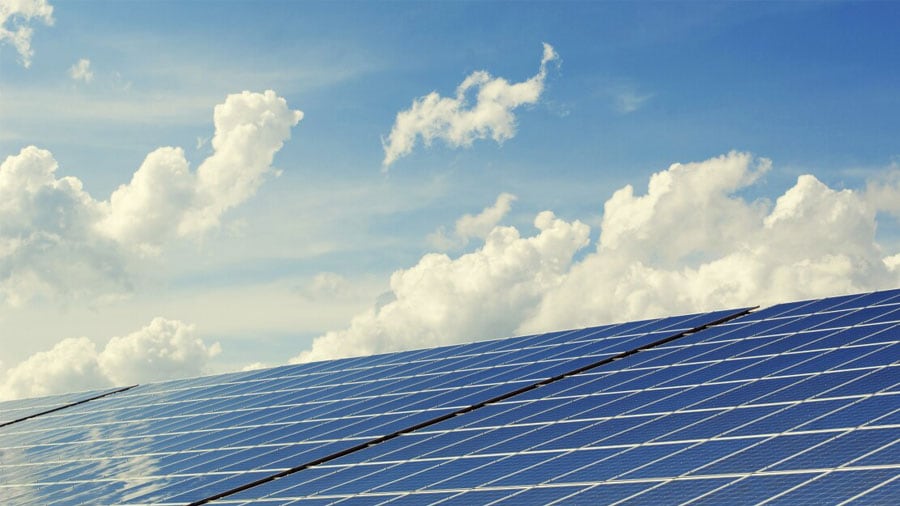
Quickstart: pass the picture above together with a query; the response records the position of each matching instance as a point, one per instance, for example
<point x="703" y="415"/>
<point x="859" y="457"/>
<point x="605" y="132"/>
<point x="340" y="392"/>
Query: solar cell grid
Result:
<point x="801" y="399"/>
<point x="757" y="408"/>
<point x="836" y="486"/>
<point x="180" y="441"/>
<point x="752" y="489"/>
<point x="537" y="495"/>
<point x="14" y="411"/>
<point x="659" y="494"/>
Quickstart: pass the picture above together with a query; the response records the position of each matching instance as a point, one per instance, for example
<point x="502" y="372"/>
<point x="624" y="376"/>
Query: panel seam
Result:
<point x="66" y="406"/>
<point x="472" y="407"/>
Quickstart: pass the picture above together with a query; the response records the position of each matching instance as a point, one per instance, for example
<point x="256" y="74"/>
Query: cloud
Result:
<point x="459" y="124"/>
<point x="81" y="71"/>
<point x="163" y="349"/>
<point x="55" y="239"/>
<point x="255" y="366"/>
<point x="893" y="264"/>
<point x="469" y="226"/>
<point x="48" y="244"/>
<point x="628" y="101"/>
<point x="442" y="300"/>
<point x="249" y="129"/>
<point x="328" y="286"/>
<point x="883" y="192"/>
<point x="15" y="24"/>
<point x="624" y="95"/>
<point x="690" y="243"/>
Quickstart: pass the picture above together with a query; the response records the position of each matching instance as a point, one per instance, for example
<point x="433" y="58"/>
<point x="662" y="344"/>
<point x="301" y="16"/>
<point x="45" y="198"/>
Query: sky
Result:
<point x="197" y="187"/>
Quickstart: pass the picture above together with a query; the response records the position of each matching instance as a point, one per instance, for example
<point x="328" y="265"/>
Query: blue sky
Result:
<point x="809" y="86"/>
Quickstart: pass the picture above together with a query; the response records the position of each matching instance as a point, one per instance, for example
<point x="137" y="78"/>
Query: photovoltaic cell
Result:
<point x="23" y="409"/>
<point x="790" y="404"/>
<point x="795" y="404"/>
<point x="182" y="441"/>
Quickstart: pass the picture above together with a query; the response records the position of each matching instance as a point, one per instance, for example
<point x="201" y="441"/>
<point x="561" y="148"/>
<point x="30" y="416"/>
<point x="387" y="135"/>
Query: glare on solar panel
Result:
<point x="795" y="402"/>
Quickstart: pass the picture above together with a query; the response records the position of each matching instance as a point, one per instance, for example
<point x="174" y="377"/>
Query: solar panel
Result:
<point x="796" y="403"/>
<point x="182" y="441"/>
<point x="22" y="409"/>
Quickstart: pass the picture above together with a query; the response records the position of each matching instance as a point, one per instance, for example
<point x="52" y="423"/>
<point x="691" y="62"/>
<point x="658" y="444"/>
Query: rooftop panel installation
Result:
<point x="796" y="403"/>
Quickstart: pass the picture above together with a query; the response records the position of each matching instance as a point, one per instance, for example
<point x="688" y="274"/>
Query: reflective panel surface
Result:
<point x="183" y="441"/>
<point x="793" y="404"/>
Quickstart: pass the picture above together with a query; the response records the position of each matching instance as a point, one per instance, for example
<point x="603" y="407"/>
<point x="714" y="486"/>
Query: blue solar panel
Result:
<point x="182" y="441"/>
<point x="838" y="486"/>
<point x="795" y="403"/>
<point x="22" y="409"/>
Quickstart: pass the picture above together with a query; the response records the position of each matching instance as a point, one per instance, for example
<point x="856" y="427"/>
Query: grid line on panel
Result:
<point x="815" y="473"/>
<point x="847" y="466"/>
<point x="823" y="382"/>
<point x="231" y="387"/>
<point x="729" y="316"/>
<point x="65" y="406"/>
<point x="793" y="402"/>
<point x="236" y="389"/>
<point x="864" y="493"/>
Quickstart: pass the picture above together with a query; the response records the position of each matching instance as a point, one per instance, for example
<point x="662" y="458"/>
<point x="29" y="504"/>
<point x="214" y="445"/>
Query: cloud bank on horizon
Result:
<point x="691" y="243"/>
<point x="457" y="123"/>
<point x="163" y="349"/>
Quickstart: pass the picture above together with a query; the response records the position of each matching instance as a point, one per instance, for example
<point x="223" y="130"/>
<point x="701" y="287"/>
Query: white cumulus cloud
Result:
<point x="460" y="123"/>
<point x="55" y="239"/>
<point x="163" y="349"/>
<point x="442" y="300"/>
<point x="81" y="71"/>
<point x="16" y="17"/>
<point x="48" y="245"/>
<point x="473" y="226"/>
<point x="249" y="129"/>
<point x="691" y="243"/>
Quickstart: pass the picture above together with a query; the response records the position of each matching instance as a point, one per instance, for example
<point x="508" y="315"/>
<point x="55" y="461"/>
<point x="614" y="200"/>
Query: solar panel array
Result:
<point x="182" y="441"/>
<point x="797" y="403"/>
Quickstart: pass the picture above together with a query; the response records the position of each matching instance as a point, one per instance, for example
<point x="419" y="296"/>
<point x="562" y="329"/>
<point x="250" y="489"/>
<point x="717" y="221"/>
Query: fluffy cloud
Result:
<point x="249" y="129"/>
<point x="459" y="124"/>
<point x="691" y="243"/>
<point x="443" y="300"/>
<point x="15" y="24"/>
<point x="469" y="227"/>
<point x="81" y="71"/>
<point x="56" y="239"/>
<point x="48" y="244"/>
<point x="163" y="349"/>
